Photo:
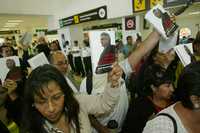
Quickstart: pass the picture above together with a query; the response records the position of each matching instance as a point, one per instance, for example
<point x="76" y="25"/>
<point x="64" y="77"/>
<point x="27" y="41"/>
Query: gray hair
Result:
<point x="107" y="35"/>
<point x="52" y="54"/>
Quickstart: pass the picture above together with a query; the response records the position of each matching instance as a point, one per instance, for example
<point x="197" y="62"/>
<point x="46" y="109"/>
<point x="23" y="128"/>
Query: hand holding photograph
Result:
<point x="161" y="21"/>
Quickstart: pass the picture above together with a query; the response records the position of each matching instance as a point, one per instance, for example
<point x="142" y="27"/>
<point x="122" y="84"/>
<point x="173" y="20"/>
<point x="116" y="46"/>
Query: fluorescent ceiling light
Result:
<point x="4" y="29"/>
<point x="15" y="21"/>
<point x="12" y="23"/>
<point x="2" y="40"/>
<point x="194" y="13"/>
<point x="9" y="26"/>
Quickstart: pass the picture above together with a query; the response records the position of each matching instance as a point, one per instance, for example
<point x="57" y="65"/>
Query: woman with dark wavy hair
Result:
<point x="184" y="115"/>
<point x="51" y="107"/>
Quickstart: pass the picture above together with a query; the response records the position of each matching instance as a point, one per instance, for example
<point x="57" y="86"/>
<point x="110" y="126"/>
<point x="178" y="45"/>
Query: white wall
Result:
<point x="33" y="7"/>
<point x="64" y="8"/>
<point x="52" y="23"/>
<point x="115" y="8"/>
<point x="144" y="32"/>
<point x="190" y="22"/>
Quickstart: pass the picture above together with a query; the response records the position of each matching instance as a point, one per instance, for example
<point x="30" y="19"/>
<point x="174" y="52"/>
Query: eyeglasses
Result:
<point x="60" y="63"/>
<point x="44" y="102"/>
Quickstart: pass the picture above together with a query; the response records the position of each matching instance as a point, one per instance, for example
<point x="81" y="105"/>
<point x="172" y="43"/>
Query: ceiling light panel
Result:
<point x="15" y="21"/>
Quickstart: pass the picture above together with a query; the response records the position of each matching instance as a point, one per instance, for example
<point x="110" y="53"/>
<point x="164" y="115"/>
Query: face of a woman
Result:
<point x="51" y="102"/>
<point x="7" y="51"/>
<point x="54" y="47"/>
<point x="105" y="40"/>
<point x="164" y="59"/>
<point x="165" y="91"/>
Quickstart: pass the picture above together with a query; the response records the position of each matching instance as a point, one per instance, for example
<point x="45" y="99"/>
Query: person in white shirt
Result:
<point x="76" y="52"/>
<point x="67" y="49"/>
<point x="119" y="113"/>
<point x="86" y="55"/>
<point x="58" y="59"/>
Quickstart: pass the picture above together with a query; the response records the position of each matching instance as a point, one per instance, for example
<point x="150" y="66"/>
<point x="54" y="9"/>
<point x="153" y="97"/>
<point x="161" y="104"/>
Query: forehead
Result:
<point x="53" y="44"/>
<point x="48" y="90"/>
<point x="104" y="36"/>
<point x="165" y="84"/>
<point x="58" y="57"/>
<point x="6" y="48"/>
<point x="10" y="61"/>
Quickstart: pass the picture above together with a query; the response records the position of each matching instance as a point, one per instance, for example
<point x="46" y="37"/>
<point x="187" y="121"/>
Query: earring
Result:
<point x="66" y="109"/>
<point x="153" y="88"/>
<point x="33" y="105"/>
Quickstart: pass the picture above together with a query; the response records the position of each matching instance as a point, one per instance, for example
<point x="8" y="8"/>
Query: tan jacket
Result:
<point x="96" y="105"/>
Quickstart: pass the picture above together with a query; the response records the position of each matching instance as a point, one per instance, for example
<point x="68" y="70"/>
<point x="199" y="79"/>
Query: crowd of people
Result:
<point x="146" y="90"/>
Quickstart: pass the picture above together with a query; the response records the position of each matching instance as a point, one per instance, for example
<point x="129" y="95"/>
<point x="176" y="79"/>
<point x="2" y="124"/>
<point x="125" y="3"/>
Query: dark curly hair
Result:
<point x="189" y="84"/>
<point x="156" y="75"/>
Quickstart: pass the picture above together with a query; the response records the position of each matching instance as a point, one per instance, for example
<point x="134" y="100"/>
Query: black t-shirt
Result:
<point x="43" y="48"/>
<point x="139" y="112"/>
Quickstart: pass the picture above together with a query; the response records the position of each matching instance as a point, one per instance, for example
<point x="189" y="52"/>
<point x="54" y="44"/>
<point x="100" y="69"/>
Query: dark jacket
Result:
<point x="140" y="111"/>
<point x="43" y="48"/>
<point x="3" y="128"/>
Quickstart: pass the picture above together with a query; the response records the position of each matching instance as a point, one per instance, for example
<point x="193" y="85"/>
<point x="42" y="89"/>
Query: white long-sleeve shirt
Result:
<point x="120" y="110"/>
<point x="96" y="105"/>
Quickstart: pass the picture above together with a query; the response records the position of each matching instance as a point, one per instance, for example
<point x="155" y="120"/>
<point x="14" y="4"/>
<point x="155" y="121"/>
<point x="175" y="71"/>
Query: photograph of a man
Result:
<point x="107" y="57"/>
<point x="10" y="63"/>
<point x="7" y="64"/>
<point x="168" y="25"/>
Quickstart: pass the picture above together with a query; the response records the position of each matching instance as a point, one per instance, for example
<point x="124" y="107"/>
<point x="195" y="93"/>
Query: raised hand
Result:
<point x="114" y="75"/>
<point x="10" y="85"/>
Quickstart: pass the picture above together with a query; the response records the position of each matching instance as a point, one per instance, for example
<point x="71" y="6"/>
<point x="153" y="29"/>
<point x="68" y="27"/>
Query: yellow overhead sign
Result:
<point x="76" y="19"/>
<point x="155" y="2"/>
<point x="139" y="5"/>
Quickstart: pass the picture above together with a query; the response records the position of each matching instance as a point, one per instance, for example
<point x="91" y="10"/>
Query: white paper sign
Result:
<point x="182" y="53"/>
<point x="26" y="38"/>
<point x="38" y="60"/>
